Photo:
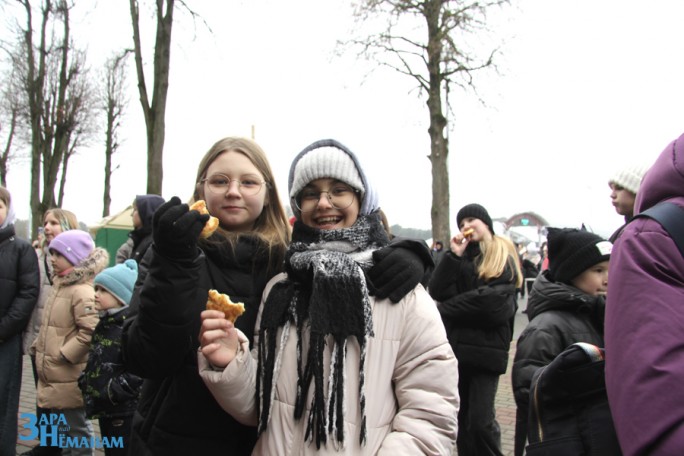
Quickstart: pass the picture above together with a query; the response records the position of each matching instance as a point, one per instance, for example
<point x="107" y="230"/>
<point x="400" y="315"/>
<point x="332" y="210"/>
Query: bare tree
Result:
<point x="9" y="114"/>
<point x="436" y="63"/>
<point x="154" y="110"/>
<point x="58" y="99"/>
<point x="113" y="102"/>
<point x="13" y="129"/>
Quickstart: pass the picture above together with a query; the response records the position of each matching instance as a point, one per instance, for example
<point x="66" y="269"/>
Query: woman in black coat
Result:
<point x="19" y="288"/>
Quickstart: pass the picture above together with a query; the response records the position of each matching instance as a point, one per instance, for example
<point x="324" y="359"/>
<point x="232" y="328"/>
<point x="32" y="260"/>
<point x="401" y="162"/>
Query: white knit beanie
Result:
<point x="328" y="158"/>
<point x="325" y="162"/>
<point x="629" y="178"/>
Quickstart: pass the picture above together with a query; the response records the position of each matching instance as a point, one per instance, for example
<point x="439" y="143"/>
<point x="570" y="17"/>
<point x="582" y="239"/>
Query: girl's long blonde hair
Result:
<point x="496" y="253"/>
<point x="272" y="226"/>
<point x="67" y="219"/>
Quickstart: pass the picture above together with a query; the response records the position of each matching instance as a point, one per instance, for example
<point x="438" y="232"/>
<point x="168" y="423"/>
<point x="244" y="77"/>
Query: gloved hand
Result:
<point x="396" y="271"/>
<point x="175" y="229"/>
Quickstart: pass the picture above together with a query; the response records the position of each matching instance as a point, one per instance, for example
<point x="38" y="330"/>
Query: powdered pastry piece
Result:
<point x="211" y="225"/>
<point x="222" y="302"/>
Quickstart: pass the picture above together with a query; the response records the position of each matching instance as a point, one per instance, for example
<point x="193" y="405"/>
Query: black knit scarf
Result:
<point x="326" y="293"/>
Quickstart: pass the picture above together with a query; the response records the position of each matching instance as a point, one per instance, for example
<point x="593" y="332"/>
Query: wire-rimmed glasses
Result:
<point x="249" y="184"/>
<point x="340" y="197"/>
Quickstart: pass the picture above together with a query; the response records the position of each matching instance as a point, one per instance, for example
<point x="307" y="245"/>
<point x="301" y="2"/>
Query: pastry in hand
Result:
<point x="222" y="302"/>
<point x="211" y="225"/>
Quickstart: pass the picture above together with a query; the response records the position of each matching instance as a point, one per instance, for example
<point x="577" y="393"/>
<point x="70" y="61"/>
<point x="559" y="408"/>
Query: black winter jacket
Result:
<point x="108" y="389"/>
<point x="177" y="415"/>
<point x="19" y="283"/>
<point x="560" y="315"/>
<point x="478" y="315"/>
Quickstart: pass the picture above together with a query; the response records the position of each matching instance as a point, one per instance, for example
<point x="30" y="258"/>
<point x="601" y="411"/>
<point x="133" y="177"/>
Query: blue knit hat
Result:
<point x="74" y="245"/>
<point x="119" y="280"/>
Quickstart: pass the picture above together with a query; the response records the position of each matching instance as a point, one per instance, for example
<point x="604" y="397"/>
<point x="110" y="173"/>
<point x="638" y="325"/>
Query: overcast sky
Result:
<point x="584" y="87"/>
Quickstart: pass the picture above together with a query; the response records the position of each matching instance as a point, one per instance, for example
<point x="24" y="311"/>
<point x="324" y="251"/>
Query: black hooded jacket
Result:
<point x="560" y="315"/>
<point x="146" y="206"/>
<point x="477" y="314"/>
<point x="19" y="283"/>
<point x="177" y="415"/>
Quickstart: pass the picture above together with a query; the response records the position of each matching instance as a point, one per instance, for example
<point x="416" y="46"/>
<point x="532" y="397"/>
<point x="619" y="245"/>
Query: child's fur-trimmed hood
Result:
<point x="87" y="269"/>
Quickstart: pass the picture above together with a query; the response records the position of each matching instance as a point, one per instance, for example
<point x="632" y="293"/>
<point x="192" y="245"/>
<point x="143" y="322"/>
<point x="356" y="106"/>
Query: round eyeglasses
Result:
<point x="339" y="196"/>
<point x="247" y="185"/>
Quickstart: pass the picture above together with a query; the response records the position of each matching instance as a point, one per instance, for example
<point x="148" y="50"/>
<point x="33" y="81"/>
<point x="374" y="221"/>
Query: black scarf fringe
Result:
<point x="326" y="288"/>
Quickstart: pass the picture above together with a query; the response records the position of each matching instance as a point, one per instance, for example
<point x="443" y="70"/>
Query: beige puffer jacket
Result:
<point x="33" y="326"/>
<point x="69" y="319"/>
<point x="411" y="387"/>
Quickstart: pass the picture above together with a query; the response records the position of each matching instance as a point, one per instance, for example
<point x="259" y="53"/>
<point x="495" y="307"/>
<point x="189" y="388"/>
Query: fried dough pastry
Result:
<point x="211" y="225"/>
<point x="222" y="302"/>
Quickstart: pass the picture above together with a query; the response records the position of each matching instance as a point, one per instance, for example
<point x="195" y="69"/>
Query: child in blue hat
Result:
<point x="110" y="392"/>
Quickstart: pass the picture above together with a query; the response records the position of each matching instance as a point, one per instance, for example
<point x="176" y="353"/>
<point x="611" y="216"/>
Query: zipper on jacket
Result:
<point x="537" y="408"/>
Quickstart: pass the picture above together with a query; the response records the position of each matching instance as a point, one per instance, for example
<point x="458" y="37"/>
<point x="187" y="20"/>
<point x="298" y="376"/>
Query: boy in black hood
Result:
<point x="566" y="305"/>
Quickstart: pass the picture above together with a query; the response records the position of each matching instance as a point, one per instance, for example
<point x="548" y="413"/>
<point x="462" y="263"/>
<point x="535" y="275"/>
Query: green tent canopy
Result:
<point x="112" y="231"/>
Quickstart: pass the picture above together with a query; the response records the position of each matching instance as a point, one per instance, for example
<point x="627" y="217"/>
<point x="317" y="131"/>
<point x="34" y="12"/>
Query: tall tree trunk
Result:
<point x="154" y="112"/>
<point x="439" y="146"/>
<point x="109" y="151"/>
<point x="35" y="80"/>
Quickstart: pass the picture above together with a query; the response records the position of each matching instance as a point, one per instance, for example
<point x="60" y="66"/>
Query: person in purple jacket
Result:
<point x="644" y="328"/>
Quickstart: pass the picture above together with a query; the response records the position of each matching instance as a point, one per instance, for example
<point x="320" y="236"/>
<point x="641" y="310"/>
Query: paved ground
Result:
<point x="505" y="404"/>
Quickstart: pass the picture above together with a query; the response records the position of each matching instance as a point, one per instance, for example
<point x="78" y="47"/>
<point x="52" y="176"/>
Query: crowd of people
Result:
<point x="352" y="340"/>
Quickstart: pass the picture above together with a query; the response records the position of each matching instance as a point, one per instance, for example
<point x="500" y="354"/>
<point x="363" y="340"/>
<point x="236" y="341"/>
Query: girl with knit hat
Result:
<point x="110" y="392"/>
<point x="624" y="185"/>
<point x="55" y="221"/>
<point x="61" y="348"/>
<point x="18" y="295"/>
<point x="475" y="289"/>
<point x="566" y="305"/>
<point x="177" y="414"/>
<point x="335" y="370"/>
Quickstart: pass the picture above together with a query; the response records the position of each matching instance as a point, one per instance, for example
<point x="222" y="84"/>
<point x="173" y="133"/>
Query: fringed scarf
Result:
<point x="326" y="293"/>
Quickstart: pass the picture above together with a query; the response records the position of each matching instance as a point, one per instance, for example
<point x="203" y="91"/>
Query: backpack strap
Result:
<point x="671" y="217"/>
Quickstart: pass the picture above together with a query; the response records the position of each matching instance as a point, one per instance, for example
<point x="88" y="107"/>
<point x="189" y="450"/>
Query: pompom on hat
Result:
<point x="476" y="211"/>
<point x="572" y="251"/>
<point x="328" y="158"/>
<point x="74" y="245"/>
<point x="119" y="280"/>
<point x="629" y="177"/>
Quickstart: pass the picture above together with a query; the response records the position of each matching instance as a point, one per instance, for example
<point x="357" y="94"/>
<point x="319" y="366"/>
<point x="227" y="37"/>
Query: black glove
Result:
<point x="396" y="271"/>
<point x="175" y="229"/>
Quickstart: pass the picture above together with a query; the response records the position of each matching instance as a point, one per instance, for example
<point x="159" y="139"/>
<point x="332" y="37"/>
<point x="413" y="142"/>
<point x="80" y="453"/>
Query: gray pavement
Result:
<point x="505" y="404"/>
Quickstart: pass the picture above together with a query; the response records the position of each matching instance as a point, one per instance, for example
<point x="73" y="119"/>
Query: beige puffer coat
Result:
<point x="69" y="319"/>
<point x="33" y="326"/>
<point x="411" y="387"/>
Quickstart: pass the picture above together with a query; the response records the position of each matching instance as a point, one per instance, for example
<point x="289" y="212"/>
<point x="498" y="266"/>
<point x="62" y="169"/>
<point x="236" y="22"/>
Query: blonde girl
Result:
<point x="475" y="289"/>
<point x="176" y="413"/>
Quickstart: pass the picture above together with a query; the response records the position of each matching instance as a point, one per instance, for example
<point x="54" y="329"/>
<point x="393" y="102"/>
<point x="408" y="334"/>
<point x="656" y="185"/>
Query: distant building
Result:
<point x="526" y="227"/>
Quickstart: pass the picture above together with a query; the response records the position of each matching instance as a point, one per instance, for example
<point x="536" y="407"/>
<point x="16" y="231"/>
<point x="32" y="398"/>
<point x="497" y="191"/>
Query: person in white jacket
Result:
<point x="334" y="370"/>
